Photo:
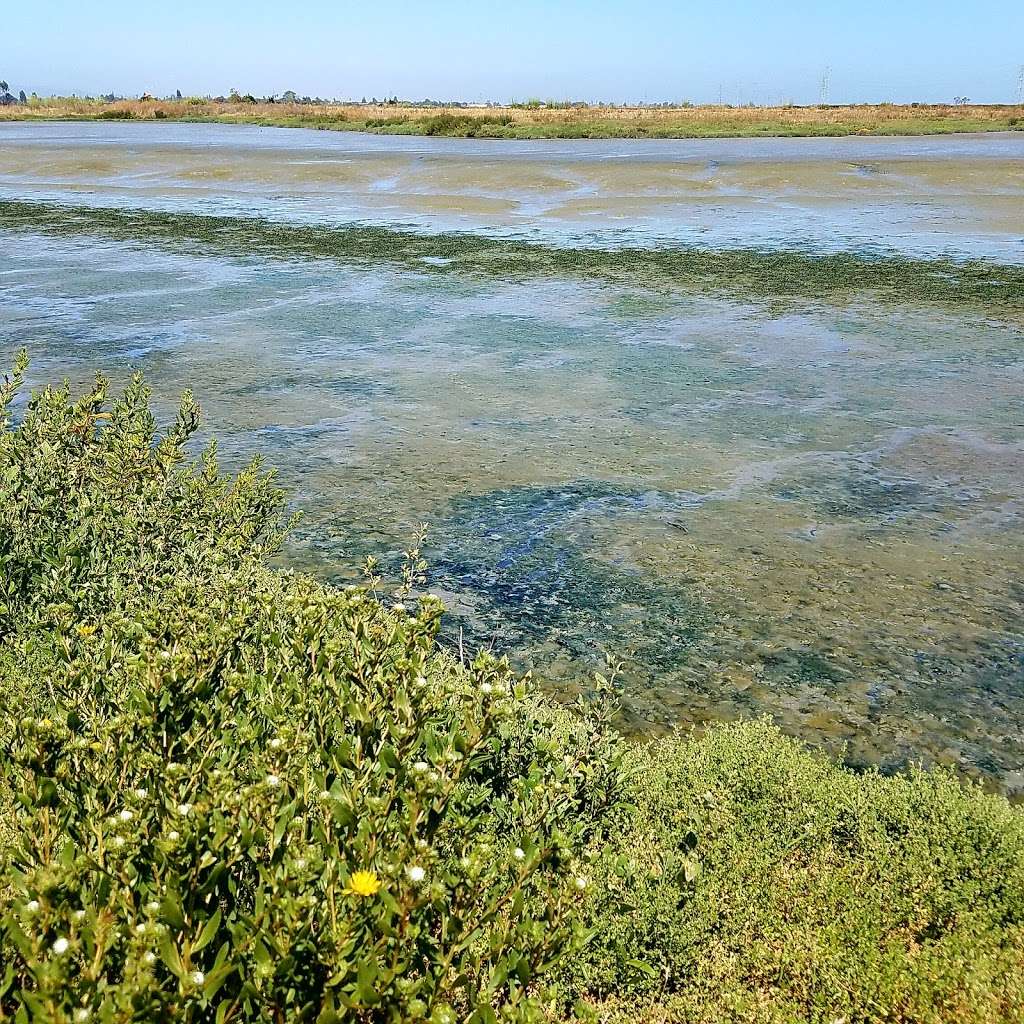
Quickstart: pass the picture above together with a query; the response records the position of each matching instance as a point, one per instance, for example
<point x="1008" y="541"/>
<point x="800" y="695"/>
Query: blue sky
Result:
<point x="734" y="50"/>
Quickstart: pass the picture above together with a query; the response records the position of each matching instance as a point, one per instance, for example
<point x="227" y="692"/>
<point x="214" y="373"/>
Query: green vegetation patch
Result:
<point x="772" y="274"/>
<point x="233" y="793"/>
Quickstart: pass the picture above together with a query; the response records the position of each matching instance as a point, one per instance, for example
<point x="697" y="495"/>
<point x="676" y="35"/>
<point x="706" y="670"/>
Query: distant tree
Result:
<point x="3" y="86"/>
<point x="177" y="94"/>
<point x="22" y="98"/>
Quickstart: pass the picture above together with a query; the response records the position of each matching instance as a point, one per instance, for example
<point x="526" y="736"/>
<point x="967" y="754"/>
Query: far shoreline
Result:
<point x="550" y="123"/>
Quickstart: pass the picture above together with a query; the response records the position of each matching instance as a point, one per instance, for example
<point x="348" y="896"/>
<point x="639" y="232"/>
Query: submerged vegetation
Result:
<point x="231" y="792"/>
<point x="545" y="121"/>
<point x="765" y="273"/>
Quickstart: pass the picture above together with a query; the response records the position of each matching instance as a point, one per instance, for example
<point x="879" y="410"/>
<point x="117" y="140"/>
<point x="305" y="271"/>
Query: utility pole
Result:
<point x="1020" y="84"/>
<point x="826" y="79"/>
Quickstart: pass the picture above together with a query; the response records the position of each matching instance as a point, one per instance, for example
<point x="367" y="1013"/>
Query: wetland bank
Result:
<point x="745" y="414"/>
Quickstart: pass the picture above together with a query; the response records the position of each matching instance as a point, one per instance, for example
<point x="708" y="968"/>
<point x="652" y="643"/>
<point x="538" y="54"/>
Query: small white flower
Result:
<point x="173" y="835"/>
<point x="32" y="906"/>
<point x="273" y="781"/>
<point x="416" y="874"/>
<point x="149" y="957"/>
<point x="398" y="607"/>
<point x="198" y="977"/>
<point x="152" y="906"/>
<point x="126" y="815"/>
<point x="141" y="792"/>
<point x="420" y="680"/>
<point x="60" y="947"/>
<point x="486" y="687"/>
<point x="421" y="766"/>
<point x="184" y="809"/>
<point x="581" y="882"/>
<point x="117" y="842"/>
<point x="140" y="928"/>
<point x="275" y="744"/>
<point x="78" y="915"/>
<point x="519" y="853"/>
<point x="81" y="1014"/>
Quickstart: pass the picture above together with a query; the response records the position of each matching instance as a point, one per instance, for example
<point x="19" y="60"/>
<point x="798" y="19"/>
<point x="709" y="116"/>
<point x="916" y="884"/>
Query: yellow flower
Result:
<point x="363" y="883"/>
<point x="86" y="630"/>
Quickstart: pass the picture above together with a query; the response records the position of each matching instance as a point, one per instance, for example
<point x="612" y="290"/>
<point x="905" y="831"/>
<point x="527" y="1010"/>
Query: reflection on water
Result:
<point x="814" y="511"/>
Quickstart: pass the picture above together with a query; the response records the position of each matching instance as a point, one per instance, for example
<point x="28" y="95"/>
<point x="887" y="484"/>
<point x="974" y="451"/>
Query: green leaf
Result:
<point x="209" y="932"/>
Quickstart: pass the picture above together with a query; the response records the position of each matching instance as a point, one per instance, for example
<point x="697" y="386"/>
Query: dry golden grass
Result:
<point x="668" y="121"/>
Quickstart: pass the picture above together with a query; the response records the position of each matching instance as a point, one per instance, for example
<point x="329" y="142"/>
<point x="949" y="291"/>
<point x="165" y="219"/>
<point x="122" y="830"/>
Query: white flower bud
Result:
<point x="61" y="946"/>
<point x="519" y="853"/>
<point x="416" y="874"/>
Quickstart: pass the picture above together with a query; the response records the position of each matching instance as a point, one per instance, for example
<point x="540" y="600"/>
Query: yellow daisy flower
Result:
<point x="363" y="883"/>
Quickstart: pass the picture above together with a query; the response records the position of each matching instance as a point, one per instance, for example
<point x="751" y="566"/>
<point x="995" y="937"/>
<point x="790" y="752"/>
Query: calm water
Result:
<point x="809" y="510"/>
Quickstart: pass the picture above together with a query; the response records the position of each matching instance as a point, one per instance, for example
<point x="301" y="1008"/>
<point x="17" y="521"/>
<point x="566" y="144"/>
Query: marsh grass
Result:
<point x="556" y="121"/>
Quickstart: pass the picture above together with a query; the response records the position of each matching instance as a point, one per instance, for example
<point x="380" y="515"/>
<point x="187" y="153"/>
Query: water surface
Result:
<point x="806" y="505"/>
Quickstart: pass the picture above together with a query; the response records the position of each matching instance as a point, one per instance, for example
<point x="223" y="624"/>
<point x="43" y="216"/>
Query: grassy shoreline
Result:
<point x="571" y="122"/>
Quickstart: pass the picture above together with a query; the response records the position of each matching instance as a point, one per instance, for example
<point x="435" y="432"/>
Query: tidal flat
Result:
<point x="745" y="416"/>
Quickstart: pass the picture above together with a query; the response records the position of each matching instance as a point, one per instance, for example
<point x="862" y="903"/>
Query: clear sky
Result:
<point x="737" y="51"/>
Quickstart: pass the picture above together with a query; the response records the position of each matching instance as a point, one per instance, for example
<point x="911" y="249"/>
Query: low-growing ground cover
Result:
<point x="230" y="792"/>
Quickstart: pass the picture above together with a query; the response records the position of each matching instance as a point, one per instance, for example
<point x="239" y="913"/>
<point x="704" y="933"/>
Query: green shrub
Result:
<point x="249" y="796"/>
<point x="821" y="894"/>
<point x="117" y="114"/>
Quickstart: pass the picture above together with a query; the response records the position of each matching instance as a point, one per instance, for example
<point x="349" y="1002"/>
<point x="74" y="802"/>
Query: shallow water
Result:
<point x="958" y="195"/>
<point x="812" y="509"/>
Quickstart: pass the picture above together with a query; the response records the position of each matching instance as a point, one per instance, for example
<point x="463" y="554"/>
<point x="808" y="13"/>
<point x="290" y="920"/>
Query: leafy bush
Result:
<point x="821" y="894"/>
<point x="117" y="114"/>
<point x="249" y="796"/>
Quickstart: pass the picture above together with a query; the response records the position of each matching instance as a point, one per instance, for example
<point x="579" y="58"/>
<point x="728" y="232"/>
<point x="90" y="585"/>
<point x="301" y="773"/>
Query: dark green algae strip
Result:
<point x="766" y="273"/>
